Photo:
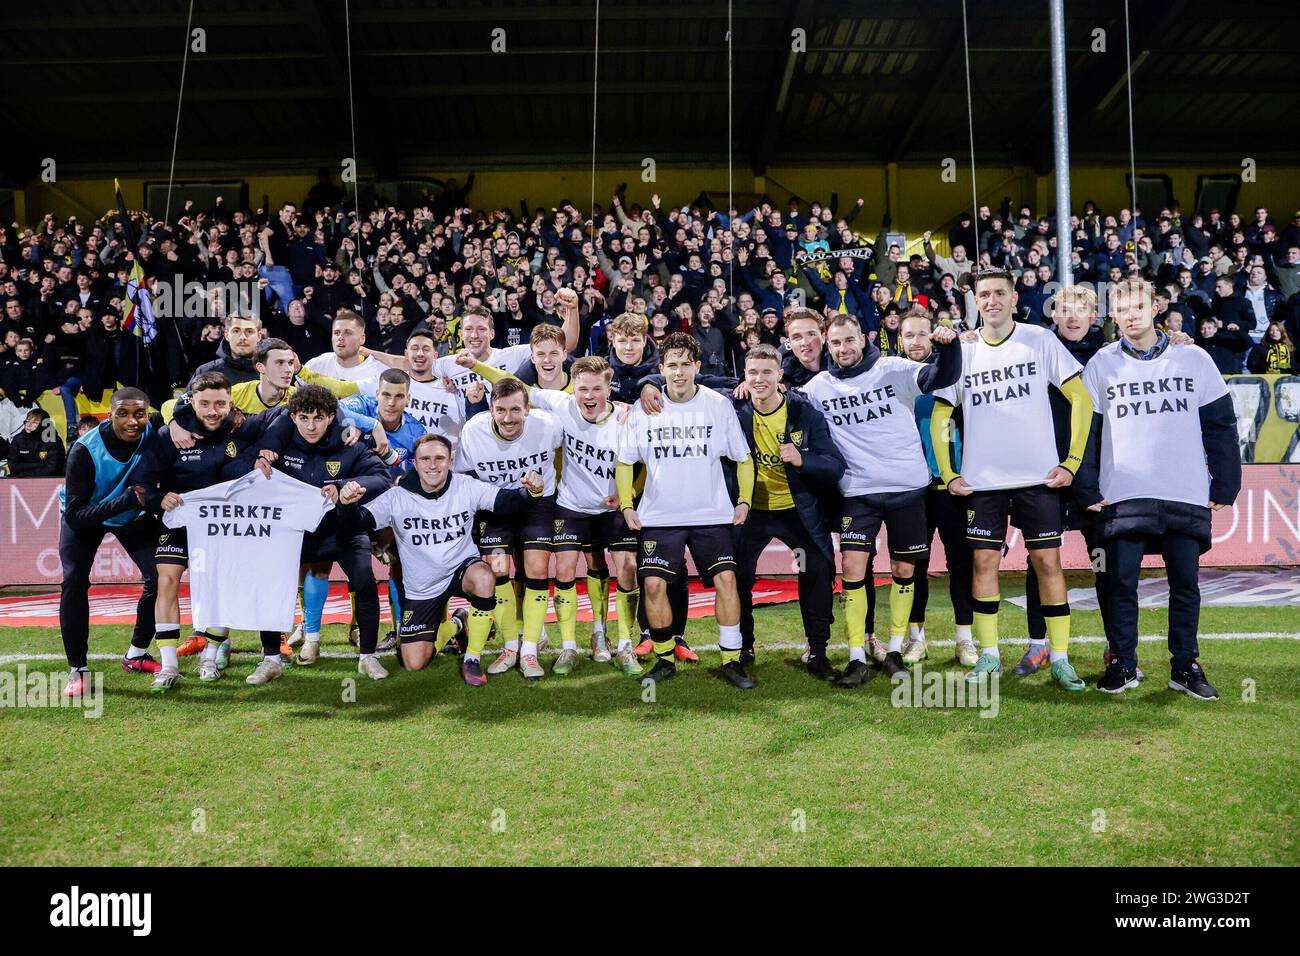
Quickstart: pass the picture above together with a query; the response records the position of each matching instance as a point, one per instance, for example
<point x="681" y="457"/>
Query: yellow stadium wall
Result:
<point x="917" y="195"/>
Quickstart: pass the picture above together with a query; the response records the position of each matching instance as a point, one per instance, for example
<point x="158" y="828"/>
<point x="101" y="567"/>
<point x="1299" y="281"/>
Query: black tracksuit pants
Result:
<point x="77" y="550"/>
<point x="815" y="577"/>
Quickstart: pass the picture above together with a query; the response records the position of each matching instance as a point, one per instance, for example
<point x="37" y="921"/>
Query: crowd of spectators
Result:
<point x="725" y="276"/>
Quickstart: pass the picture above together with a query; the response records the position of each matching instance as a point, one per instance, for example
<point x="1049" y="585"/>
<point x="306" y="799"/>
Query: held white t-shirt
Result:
<point x="1008" y="439"/>
<point x="1151" y="439"/>
<point x="503" y="463"/>
<point x="434" y="533"/>
<point x="327" y="363"/>
<point x="683" y="447"/>
<point x="245" y="538"/>
<point x="590" y="452"/>
<point x="872" y="421"/>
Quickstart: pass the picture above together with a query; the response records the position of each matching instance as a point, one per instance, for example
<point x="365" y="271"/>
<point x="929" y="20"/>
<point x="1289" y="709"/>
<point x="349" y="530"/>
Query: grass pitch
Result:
<point x="421" y="769"/>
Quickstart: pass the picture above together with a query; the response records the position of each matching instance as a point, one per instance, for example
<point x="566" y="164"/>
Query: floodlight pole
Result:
<point x="1061" y="144"/>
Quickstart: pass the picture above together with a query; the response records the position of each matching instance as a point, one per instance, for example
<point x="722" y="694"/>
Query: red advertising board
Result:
<point x="1261" y="529"/>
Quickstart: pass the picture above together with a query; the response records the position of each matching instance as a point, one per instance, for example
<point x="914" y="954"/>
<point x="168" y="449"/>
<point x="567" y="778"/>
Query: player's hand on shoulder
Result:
<point x="970" y="335"/>
<point x="180" y="437"/>
<point x="352" y="493"/>
<point x="381" y="440"/>
<point x="652" y="400"/>
<point x="741" y="391"/>
<point x="1181" y="338"/>
<point x="623" y="409"/>
<point x="351" y="434"/>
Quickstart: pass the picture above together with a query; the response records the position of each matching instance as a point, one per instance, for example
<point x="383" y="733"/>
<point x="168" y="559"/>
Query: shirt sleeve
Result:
<point x="381" y="509"/>
<point x="548" y="399"/>
<point x="485" y="495"/>
<point x="1215" y="387"/>
<point x="629" y="441"/>
<point x="953" y="394"/>
<point x="737" y="448"/>
<point x="463" y="461"/>
<point x="1096" y="388"/>
<point x="1061" y="365"/>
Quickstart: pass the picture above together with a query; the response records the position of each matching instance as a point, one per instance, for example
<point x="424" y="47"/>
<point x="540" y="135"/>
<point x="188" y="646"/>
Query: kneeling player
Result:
<point x="686" y="504"/>
<point x="431" y="513"/>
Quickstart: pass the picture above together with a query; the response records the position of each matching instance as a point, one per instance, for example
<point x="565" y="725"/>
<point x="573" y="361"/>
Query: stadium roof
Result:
<point x="97" y="84"/>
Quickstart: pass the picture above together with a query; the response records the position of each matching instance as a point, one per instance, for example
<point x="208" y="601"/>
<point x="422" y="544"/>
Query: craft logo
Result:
<point x="77" y="909"/>
<point x="332" y="468"/>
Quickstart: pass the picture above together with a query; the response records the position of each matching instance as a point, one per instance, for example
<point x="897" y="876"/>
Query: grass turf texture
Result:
<point x="581" y="771"/>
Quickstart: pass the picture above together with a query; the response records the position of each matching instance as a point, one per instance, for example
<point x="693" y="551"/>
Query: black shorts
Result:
<point x="901" y="512"/>
<point x="1035" y="510"/>
<point x="421" y="619"/>
<point x="173" y="547"/>
<point x="607" y="531"/>
<point x="531" y="531"/>
<point x="663" y="551"/>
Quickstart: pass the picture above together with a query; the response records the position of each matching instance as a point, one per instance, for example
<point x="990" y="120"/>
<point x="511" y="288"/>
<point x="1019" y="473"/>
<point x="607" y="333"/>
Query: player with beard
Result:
<point x="869" y="404"/>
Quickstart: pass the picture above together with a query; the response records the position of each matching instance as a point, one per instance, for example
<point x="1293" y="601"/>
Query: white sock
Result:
<point x="992" y="651"/>
<point x="598" y="629"/>
<point x="858" y="654"/>
<point x="570" y="645"/>
<point x="218" y="634"/>
<point x="624" y="644"/>
<point x="729" y="637"/>
<point x="135" y="653"/>
<point x="1059" y="656"/>
<point x="1038" y="644"/>
<point x="168" y="652"/>
<point x="916" y="632"/>
<point x="512" y="645"/>
<point x="964" y="634"/>
<point x="471" y="657"/>
<point x="274" y="658"/>
<point x="895" y="643"/>
<point x="311" y="636"/>
<point x="528" y="647"/>
<point x="210" y="652"/>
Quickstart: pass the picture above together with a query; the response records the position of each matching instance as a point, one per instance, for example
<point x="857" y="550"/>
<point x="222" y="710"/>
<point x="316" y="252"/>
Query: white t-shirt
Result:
<point x="430" y="404"/>
<point x="1151" y="440"/>
<point x="683" y="447"/>
<point x="510" y="359"/>
<point x="502" y="463"/>
<point x="590" y="452"/>
<point x="245" y="537"/>
<point x="327" y="363"/>
<point x="1008" y="439"/>
<point x="434" y="533"/>
<point x="872" y="421"/>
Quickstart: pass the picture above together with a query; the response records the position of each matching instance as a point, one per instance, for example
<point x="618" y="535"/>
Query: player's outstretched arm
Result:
<point x="946" y="368"/>
<point x="1081" y="411"/>
<point x="392" y="361"/>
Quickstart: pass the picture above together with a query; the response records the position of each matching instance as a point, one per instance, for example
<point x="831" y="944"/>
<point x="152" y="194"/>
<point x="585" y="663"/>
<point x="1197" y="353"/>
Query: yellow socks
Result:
<point x="900" y="610"/>
<point x="506" y="609"/>
<point x="566" y="610"/>
<point x="985" y="623"/>
<point x="628" y="603"/>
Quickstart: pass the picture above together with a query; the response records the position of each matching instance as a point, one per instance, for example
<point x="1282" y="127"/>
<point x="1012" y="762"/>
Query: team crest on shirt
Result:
<point x="332" y="468"/>
<point x="796" y="438"/>
<point x="970" y="515"/>
<point x="43" y="455"/>
<point x="230" y="449"/>
<point x="649" y="546"/>
<point x="162" y="538"/>
<point x="406" y="617"/>
<point x="559" y="526"/>
<point x="845" y="522"/>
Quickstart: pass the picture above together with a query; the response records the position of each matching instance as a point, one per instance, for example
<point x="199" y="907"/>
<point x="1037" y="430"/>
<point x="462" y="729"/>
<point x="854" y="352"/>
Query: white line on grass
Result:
<point x="779" y="646"/>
